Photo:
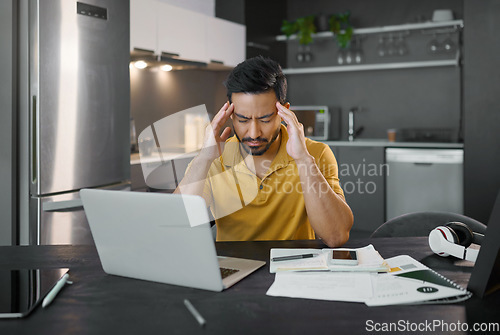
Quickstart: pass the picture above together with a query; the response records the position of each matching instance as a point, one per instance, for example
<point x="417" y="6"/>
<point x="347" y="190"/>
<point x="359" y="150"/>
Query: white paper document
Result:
<point x="339" y="286"/>
<point x="411" y="282"/>
<point x="408" y="282"/>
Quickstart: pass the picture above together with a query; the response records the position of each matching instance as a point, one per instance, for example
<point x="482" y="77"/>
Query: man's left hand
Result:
<point x="296" y="145"/>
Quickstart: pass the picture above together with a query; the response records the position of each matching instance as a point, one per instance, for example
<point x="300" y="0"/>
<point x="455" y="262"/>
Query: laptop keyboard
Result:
<point x="225" y="272"/>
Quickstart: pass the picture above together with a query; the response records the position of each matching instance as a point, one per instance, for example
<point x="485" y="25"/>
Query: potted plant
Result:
<point x="304" y="27"/>
<point x="289" y="28"/>
<point x="341" y="27"/>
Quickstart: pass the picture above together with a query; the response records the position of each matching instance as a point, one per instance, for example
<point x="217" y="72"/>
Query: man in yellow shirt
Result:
<point x="268" y="181"/>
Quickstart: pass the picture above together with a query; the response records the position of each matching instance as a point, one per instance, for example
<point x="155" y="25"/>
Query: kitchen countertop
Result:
<point x="154" y="157"/>
<point x="374" y="142"/>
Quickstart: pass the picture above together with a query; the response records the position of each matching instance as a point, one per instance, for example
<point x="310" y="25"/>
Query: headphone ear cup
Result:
<point x="462" y="232"/>
<point x="437" y="237"/>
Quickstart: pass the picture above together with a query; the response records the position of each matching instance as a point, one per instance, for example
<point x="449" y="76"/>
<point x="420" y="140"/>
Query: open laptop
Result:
<point x="160" y="237"/>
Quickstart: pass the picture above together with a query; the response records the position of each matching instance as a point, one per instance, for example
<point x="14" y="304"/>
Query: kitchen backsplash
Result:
<point x="156" y="94"/>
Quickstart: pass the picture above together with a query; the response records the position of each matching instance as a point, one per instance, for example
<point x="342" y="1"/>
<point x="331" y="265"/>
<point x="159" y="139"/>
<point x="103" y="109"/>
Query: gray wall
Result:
<point x="231" y="10"/>
<point x="482" y="107"/>
<point x="422" y="97"/>
<point x="388" y="99"/>
<point x="374" y="13"/>
<point x="156" y="94"/>
<point x="7" y="122"/>
<point x="263" y="21"/>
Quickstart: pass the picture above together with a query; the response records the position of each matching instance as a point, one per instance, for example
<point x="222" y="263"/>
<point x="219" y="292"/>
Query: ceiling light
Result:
<point x="140" y="64"/>
<point x="166" y="67"/>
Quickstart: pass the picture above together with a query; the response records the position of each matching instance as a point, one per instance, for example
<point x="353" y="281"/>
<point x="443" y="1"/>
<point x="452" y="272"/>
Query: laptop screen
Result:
<point x="485" y="277"/>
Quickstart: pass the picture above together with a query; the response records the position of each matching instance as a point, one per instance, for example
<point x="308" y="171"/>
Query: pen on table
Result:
<point x="195" y="313"/>
<point x="55" y="290"/>
<point x="288" y="258"/>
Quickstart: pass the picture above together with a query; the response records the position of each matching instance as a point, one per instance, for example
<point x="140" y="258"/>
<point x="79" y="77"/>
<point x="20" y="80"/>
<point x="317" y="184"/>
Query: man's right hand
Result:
<point x="213" y="143"/>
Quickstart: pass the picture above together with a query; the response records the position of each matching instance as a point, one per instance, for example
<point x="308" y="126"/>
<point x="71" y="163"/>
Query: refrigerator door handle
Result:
<point x="34" y="141"/>
<point x="63" y="206"/>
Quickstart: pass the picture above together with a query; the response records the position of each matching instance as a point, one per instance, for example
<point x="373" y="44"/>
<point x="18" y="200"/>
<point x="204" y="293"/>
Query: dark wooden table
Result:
<point x="98" y="303"/>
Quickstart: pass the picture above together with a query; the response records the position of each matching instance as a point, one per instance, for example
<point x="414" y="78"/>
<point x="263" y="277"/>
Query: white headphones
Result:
<point x="454" y="239"/>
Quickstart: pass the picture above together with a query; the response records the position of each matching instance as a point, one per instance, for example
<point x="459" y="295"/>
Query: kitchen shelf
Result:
<point x="458" y="24"/>
<point x="385" y="29"/>
<point x="380" y="66"/>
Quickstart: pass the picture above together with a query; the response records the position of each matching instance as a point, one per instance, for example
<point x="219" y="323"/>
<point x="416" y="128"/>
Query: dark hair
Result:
<point x="257" y="75"/>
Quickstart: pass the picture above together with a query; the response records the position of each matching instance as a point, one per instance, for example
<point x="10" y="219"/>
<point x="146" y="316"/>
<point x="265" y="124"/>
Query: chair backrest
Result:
<point x="421" y="224"/>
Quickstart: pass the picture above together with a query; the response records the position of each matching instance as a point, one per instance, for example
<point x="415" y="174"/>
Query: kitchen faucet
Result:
<point x="352" y="132"/>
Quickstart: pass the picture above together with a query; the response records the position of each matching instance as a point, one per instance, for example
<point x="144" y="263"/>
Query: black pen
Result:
<point x="289" y="258"/>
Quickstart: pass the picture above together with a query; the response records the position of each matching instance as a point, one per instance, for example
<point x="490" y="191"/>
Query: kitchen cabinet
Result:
<point x="361" y="174"/>
<point x="226" y="41"/>
<point x="181" y="32"/>
<point x="370" y="180"/>
<point x="163" y="28"/>
<point x="143" y="24"/>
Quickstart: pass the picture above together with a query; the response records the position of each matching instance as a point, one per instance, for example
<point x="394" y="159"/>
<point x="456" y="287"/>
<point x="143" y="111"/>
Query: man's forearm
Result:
<point x="329" y="215"/>
<point x="194" y="180"/>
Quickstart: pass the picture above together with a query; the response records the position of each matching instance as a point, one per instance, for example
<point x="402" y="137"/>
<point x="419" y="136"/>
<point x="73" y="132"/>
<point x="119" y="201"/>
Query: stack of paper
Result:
<point x="408" y="282"/>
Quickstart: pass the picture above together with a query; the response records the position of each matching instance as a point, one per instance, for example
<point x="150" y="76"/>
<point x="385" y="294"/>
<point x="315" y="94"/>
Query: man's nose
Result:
<point x="254" y="131"/>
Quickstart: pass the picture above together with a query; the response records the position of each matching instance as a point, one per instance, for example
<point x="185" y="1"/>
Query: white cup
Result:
<point x="442" y="15"/>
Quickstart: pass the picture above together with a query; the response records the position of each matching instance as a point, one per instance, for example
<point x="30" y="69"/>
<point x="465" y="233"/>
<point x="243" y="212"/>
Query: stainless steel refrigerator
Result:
<point x="74" y="113"/>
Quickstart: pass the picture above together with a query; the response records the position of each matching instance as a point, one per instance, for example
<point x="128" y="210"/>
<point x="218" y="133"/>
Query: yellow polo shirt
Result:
<point x="272" y="208"/>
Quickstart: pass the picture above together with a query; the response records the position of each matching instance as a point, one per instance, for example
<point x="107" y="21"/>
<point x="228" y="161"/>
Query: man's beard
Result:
<point x="255" y="151"/>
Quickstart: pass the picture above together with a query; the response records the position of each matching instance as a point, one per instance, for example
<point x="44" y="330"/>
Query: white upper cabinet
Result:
<point x="160" y="27"/>
<point x="181" y="32"/>
<point x="143" y="24"/>
<point x="226" y="41"/>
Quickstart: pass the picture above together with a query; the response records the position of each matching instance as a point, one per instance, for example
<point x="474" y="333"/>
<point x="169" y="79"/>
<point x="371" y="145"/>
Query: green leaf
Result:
<point x="341" y="27"/>
<point x="334" y="24"/>
<point x="306" y="28"/>
<point x="289" y="28"/>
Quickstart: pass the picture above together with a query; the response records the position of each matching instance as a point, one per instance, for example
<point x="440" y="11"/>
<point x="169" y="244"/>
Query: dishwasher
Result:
<point x="423" y="180"/>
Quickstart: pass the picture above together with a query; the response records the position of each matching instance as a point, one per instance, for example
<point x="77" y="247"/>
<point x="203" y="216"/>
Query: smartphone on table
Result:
<point x="343" y="257"/>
